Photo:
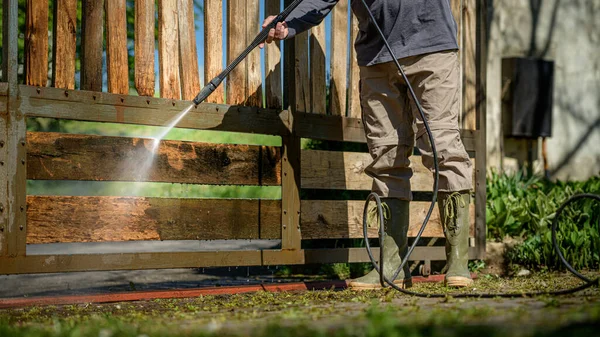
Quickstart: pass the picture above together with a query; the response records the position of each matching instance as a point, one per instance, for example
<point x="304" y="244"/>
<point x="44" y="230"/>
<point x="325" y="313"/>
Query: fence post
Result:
<point x="13" y="201"/>
<point x="290" y="189"/>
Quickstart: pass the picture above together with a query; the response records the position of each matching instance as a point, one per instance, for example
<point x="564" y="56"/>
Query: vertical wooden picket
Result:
<point x="354" y="109"/>
<point x="253" y="65"/>
<point x="302" y="79"/>
<point x="213" y="46"/>
<point x="190" y="78"/>
<point x="273" y="89"/>
<point x="168" y="49"/>
<point x="469" y="59"/>
<point x="116" y="47"/>
<point x="339" y="57"/>
<point x="145" y="78"/>
<point x="236" y="41"/>
<point x="317" y="69"/>
<point x="91" y="44"/>
<point x="65" y="33"/>
<point x="36" y="43"/>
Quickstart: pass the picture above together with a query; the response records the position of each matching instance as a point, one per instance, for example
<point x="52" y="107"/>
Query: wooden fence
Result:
<point x="70" y="85"/>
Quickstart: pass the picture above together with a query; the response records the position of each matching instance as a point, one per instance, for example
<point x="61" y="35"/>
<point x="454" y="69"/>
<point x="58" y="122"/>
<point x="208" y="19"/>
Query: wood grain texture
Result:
<point x="339" y="57"/>
<point x="145" y="78"/>
<point x="65" y="33"/>
<point x="36" y="43"/>
<point x="168" y="49"/>
<point x="317" y="69"/>
<point x="273" y="89"/>
<point x="236" y="42"/>
<point x="213" y="47"/>
<point x="328" y="219"/>
<point x="302" y="83"/>
<point x="116" y="47"/>
<point x="56" y="156"/>
<point x="469" y="59"/>
<point x="92" y="30"/>
<point x="254" y="95"/>
<point x="354" y="109"/>
<point x="190" y="78"/>
<point x="100" y="219"/>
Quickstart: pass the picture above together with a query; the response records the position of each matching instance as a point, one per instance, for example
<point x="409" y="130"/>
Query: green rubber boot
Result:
<point x="395" y="243"/>
<point x="454" y="214"/>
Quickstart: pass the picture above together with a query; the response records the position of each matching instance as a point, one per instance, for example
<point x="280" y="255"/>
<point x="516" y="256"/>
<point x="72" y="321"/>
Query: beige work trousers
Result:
<point x="390" y="118"/>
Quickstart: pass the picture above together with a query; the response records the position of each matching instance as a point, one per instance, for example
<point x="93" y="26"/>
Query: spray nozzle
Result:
<point x="207" y="90"/>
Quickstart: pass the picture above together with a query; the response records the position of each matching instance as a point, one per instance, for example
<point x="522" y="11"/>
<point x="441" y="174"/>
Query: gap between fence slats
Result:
<point x="57" y="156"/>
<point x="317" y="69"/>
<point x="339" y="57"/>
<point x="36" y="43"/>
<point x="213" y="47"/>
<point x="168" y="49"/>
<point x="92" y="30"/>
<point x="236" y="42"/>
<point x="332" y="219"/>
<point x="254" y="95"/>
<point x="145" y="77"/>
<point x="273" y="90"/>
<point x="116" y="47"/>
<point x="65" y="33"/>
<point x="190" y="78"/>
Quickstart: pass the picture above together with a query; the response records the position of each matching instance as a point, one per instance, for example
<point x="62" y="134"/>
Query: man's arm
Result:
<point x="308" y="14"/>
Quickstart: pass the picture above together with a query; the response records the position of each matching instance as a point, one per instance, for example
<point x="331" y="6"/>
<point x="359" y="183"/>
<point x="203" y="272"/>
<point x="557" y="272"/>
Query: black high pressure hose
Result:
<point x="261" y="37"/>
<point x="373" y="196"/>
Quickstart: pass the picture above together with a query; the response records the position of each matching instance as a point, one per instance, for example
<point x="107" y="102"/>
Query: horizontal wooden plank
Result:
<point x="95" y="219"/>
<point x="348" y="129"/>
<point x="334" y="219"/>
<point x="345" y="171"/>
<point x="105" y="107"/>
<point x="58" y="156"/>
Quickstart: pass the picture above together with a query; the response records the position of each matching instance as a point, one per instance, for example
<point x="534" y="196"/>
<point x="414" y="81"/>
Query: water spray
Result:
<point x="262" y="36"/>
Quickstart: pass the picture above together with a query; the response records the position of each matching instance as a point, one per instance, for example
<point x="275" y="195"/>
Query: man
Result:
<point x="422" y="34"/>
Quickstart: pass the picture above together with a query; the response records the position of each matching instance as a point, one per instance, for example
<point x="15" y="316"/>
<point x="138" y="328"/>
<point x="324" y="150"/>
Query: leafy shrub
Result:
<point x="524" y="206"/>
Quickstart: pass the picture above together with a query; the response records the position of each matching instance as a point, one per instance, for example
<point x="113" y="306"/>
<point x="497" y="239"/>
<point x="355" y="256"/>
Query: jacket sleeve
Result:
<point x="308" y="14"/>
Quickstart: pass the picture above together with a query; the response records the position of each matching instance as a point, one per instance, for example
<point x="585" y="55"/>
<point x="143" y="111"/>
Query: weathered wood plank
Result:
<point x="116" y="47"/>
<point x="354" y="109"/>
<point x="236" y="42"/>
<point x="56" y="156"/>
<point x="145" y="79"/>
<point x="105" y="107"/>
<point x="345" y="171"/>
<point x="92" y="30"/>
<point x="36" y="43"/>
<point x="213" y="47"/>
<point x="317" y="69"/>
<point x="330" y="219"/>
<point x="190" y="78"/>
<point x="469" y="59"/>
<point x="254" y="95"/>
<point x="168" y="49"/>
<point x="302" y="83"/>
<point x="274" y="98"/>
<point x="65" y="33"/>
<point x="339" y="55"/>
<point x="98" y="219"/>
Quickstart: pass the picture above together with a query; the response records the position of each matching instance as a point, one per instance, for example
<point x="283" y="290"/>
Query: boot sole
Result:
<point x="457" y="281"/>
<point x="369" y="286"/>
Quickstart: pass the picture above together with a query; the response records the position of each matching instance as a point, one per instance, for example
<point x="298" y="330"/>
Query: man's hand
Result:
<point x="280" y="32"/>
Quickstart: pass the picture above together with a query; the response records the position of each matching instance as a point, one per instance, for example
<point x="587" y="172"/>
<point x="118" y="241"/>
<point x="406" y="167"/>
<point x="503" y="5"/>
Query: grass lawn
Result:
<point x="329" y="313"/>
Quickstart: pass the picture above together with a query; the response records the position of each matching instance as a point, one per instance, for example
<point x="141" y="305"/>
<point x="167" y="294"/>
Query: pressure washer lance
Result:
<point x="262" y="36"/>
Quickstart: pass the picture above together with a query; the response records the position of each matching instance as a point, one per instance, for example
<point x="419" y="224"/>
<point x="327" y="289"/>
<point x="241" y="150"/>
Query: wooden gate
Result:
<point x="304" y="98"/>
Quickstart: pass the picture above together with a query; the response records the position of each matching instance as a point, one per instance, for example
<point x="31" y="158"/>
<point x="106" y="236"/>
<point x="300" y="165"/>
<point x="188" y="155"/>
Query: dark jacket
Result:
<point x="412" y="27"/>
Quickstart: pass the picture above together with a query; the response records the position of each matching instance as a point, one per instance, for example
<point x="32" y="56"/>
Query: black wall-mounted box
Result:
<point x="527" y="95"/>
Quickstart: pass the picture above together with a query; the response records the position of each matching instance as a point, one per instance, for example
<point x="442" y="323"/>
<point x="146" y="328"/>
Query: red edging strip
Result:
<point x="184" y="293"/>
